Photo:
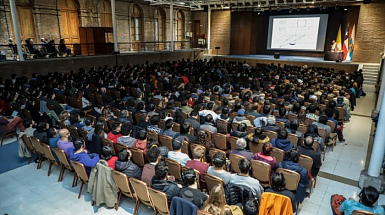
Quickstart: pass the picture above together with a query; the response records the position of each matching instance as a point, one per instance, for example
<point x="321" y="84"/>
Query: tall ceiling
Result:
<point x="255" y="4"/>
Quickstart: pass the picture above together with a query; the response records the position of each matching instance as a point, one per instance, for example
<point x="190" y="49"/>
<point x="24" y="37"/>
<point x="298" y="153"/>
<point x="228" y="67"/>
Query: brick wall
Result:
<point x="370" y="39"/>
<point x="220" y="31"/>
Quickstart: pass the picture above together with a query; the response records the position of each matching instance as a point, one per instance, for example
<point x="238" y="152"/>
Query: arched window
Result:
<point x="26" y="20"/>
<point x="69" y="21"/>
<point x="179" y="26"/>
<point x="106" y="14"/>
<point x="160" y="23"/>
<point x="136" y="23"/>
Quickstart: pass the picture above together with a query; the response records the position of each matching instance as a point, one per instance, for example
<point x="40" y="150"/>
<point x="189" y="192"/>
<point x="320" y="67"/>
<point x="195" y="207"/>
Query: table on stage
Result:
<point x="334" y="56"/>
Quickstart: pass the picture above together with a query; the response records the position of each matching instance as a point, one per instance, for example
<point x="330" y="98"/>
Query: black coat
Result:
<point x="316" y="156"/>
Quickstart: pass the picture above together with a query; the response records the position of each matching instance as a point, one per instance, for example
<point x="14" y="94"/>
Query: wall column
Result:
<point x="116" y="49"/>
<point x="208" y="29"/>
<point x="171" y="26"/>
<point x="16" y="28"/>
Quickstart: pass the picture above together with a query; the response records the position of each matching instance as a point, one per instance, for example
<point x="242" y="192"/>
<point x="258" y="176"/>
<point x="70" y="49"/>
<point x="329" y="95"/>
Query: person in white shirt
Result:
<point x="210" y="107"/>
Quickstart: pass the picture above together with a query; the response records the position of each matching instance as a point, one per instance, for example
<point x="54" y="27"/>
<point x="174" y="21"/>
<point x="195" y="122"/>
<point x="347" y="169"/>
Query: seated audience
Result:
<point x="151" y="143"/>
<point x="99" y="134"/>
<point x="154" y="125"/>
<point x="184" y="133"/>
<point x="191" y="192"/>
<point x="29" y="126"/>
<point x="115" y="133"/>
<point x="312" y="130"/>
<point x="160" y="182"/>
<point x="291" y="163"/>
<point x="251" y="207"/>
<point x="323" y="119"/>
<point x="278" y="186"/>
<point x="216" y="202"/>
<point x="266" y="157"/>
<point x="89" y="123"/>
<point x="219" y="169"/>
<point x="293" y="128"/>
<point x="240" y="150"/>
<point x="169" y="132"/>
<point x="9" y="124"/>
<point x="64" y="142"/>
<point x="241" y="118"/>
<point x="126" y="166"/>
<point x="126" y="138"/>
<point x="107" y="156"/>
<point x="209" y="111"/>
<point x="141" y="142"/>
<point x="80" y="154"/>
<point x="368" y="197"/>
<point x="311" y="112"/>
<point x="244" y="179"/>
<point x="177" y="154"/>
<point x="53" y="137"/>
<point x="281" y="142"/>
<point x="282" y="115"/>
<point x="209" y="124"/>
<point x="41" y="132"/>
<point x="153" y="157"/>
<point x="307" y="150"/>
<point x="193" y="120"/>
<point x="75" y="121"/>
<point x="197" y="163"/>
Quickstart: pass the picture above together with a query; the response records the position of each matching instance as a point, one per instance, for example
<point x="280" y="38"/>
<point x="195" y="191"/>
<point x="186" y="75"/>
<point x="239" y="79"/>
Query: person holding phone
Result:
<point x="8" y="124"/>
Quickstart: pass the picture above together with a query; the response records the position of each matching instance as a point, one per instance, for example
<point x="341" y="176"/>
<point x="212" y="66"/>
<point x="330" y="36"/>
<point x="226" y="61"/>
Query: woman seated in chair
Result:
<point x="266" y="157"/>
<point x="291" y="163"/>
<point x="278" y="186"/>
<point x="368" y="196"/>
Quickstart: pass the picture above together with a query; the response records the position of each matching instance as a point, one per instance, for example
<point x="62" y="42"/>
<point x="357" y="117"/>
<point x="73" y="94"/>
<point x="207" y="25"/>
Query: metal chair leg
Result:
<point x="81" y="188"/>
<point x="49" y="168"/>
<point x="118" y="202"/>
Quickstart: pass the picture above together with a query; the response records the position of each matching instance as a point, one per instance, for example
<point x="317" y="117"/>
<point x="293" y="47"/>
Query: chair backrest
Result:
<point x="99" y="99"/>
<point x="80" y="170"/>
<point x="292" y="117"/>
<point x="185" y="147"/>
<point x="37" y="145"/>
<point x="107" y="142"/>
<point x="293" y="138"/>
<point x="141" y="191"/>
<point x="120" y="146"/>
<point x="222" y="126"/>
<point x="322" y="132"/>
<point x="212" y="181"/>
<point x="200" y="212"/>
<point x="271" y="134"/>
<point x="48" y="153"/>
<point x="250" y="129"/>
<point x="332" y="125"/>
<point x="234" y="126"/>
<point x="28" y="143"/>
<point x="116" y="111"/>
<point x="61" y="155"/>
<point x="214" y="151"/>
<point x="234" y="161"/>
<point x="176" y="127"/>
<point x="162" y="124"/>
<point x="27" y="114"/>
<point x="166" y="141"/>
<point x="342" y="113"/>
<point x="159" y="200"/>
<point x="306" y="162"/>
<point x="233" y="141"/>
<point x="138" y="157"/>
<point x="279" y="154"/>
<point x="292" y="178"/>
<point x="138" y="117"/>
<point x="122" y="183"/>
<point x="280" y="125"/>
<point x="251" y="118"/>
<point x="74" y="131"/>
<point x="261" y="171"/>
<point x="361" y="212"/>
<point x="315" y="146"/>
<point x="255" y="147"/>
<point x="174" y="168"/>
<point x="151" y="134"/>
<point x="84" y="134"/>
<point x="184" y="115"/>
<point x="302" y="128"/>
<point x="220" y="141"/>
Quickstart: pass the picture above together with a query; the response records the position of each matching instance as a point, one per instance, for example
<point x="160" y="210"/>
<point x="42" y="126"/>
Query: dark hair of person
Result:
<point x="184" y="102"/>
<point x="78" y="143"/>
<point x="242" y="127"/>
<point x="368" y="196"/>
<point x="323" y="119"/>
<point x="266" y="109"/>
<point x="293" y="155"/>
<point x="219" y="160"/>
<point x="312" y="108"/>
<point x="155" y="120"/>
<point x="225" y="110"/>
<point x="282" y="111"/>
<point x="161" y="170"/>
<point x="312" y="130"/>
<point x="126" y="129"/>
<point x="251" y="207"/>
<point x="106" y="153"/>
<point x="115" y="125"/>
<point x="27" y="123"/>
<point x="123" y="155"/>
<point x="294" y="126"/>
<point x="296" y="107"/>
<point x="209" y="118"/>
<point x="41" y="127"/>
<point x="185" y="128"/>
<point x="74" y="118"/>
<point x="153" y="154"/>
<point x="194" y="113"/>
<point x="210" y="105"/>
<point x="142" y="135"/>
<point x="332" y="104"/>
<point x="309" y="140"/>
<point x="168" y="123"/>
<point x="51" y="133"/>
<point x="267" y="148"/>
<point x="244" y="165"/>
<point x="188" y="176"/>
<point x="176" y="144"/>
<point x="282" y="134"/>
<point x="88" y="121"/>
<point x="278" y="182"/>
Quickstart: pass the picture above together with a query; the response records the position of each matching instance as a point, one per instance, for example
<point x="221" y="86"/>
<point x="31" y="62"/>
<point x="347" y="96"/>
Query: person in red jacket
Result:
<point x="115" y="133"/>
<point x="10" y="124"/>
<point x="107" y="156"/>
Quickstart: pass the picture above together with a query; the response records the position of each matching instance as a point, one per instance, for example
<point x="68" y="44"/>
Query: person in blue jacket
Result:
<point x="80" y="154"/>
<point x="291" y="163"/>
<point x="281" y="141"/>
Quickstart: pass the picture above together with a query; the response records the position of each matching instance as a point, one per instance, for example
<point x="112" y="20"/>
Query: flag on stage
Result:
<point x="351" y="44"/>
<point x="346" y="42"/>
<point x="338" y="40"/>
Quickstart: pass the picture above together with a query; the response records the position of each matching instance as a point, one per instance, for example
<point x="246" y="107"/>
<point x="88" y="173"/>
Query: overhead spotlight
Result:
<point x="259" y="13"/>
<point x="345" y="9"/>
<point x="259" y="5"/>
<point x="308" y="8"/>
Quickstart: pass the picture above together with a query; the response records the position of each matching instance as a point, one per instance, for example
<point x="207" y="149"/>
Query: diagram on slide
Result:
<point x="295" y="33"/>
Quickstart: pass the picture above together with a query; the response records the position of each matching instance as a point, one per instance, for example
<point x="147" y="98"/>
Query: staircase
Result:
<point x="370" y="72"/>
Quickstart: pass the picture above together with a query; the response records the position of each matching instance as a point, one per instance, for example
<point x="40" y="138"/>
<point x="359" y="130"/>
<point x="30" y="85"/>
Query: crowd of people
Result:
<point x="190" y="102"/>
<point x="45" y="48"/>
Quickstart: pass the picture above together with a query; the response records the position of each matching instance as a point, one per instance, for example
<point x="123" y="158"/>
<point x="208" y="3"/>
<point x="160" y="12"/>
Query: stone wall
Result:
<point x="46" y="15"/>
<point x="220" y="31"/>
<point x="370" y="39"/>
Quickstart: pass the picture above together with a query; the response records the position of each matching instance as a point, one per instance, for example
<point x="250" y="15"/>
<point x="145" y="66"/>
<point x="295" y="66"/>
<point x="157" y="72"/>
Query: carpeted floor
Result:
<point x="9" y="157"/>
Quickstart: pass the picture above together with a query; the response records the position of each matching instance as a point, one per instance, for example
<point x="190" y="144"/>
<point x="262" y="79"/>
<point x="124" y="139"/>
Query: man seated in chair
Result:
<point x="169" y="132"/>
<point x="307" y="150"/>
<point x="64" y="143"/>
<point x="322" y="121"/>
<point x="8" y="124"/>
<point x="244" y="179"/>
<point x="209" y="124"/>
<point x="191" y="192"/>
<point x="80" y="154"/>
<point x="197" y="163"/>
<point x="177" y="154"/>
<point x="240" y="150"/>
<point x="281" y="142"/>
<point x="153" y="156"/>
<point x="161" y="183"/>
<point x="368" y="197"/>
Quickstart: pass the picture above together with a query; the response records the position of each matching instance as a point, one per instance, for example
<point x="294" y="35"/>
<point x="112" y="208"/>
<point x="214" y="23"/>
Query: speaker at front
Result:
<point x="276" y="55"/>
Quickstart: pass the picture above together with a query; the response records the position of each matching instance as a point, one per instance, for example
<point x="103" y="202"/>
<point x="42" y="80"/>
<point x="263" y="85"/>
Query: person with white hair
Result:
<point x="240" y="150"/>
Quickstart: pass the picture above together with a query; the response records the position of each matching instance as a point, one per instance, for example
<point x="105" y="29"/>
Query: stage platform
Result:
<point x="253" y="60"/>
